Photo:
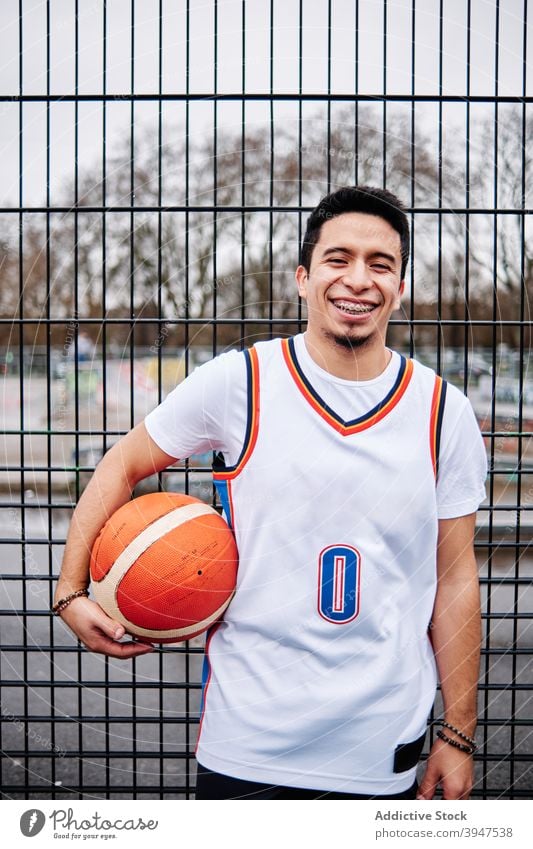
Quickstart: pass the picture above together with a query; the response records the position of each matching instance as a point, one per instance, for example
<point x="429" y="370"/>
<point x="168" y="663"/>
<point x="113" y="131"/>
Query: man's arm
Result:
<point x="456" y="638"/>
<point x="131" y="459"/>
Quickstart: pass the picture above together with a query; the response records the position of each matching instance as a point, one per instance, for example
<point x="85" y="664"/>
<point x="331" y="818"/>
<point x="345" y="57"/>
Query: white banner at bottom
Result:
<point x="123" y="823"/>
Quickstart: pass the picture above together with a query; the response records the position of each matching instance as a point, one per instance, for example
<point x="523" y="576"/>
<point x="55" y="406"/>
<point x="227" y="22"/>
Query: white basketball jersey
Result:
<point x="322" y="669"/>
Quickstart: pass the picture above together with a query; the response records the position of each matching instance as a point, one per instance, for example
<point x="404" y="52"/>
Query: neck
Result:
<point x="363" y="362"/>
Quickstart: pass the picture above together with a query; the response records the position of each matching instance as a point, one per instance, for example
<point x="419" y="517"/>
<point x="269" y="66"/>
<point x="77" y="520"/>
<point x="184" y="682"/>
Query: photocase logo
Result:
<point x="31" y="822"/>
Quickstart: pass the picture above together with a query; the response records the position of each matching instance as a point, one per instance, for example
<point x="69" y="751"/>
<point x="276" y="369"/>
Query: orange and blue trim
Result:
<point x="347" y="428"/>
<point x="223" y="475"/>
<point x="435" y="426"/>
<point x="206" y="675"/>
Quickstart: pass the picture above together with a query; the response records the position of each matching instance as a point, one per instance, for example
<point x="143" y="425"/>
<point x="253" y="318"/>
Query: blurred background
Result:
<point x="159" y="160"/>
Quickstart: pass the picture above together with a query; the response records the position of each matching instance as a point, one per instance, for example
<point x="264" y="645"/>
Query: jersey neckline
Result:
<point x="310" y="367"/>
<point x="347" y="428"/>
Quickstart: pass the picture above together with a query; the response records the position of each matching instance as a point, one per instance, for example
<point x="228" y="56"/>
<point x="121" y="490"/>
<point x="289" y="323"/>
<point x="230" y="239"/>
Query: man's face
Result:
<point x="354" y="284"/>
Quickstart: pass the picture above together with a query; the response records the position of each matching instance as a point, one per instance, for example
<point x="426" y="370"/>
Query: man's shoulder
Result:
<point x="234" y="355"/>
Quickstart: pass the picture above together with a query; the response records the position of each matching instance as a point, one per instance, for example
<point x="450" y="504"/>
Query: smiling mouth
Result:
<point x="352" y="308"/>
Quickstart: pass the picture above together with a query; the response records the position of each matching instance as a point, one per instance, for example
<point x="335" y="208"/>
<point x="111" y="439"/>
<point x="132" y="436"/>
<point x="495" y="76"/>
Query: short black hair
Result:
<point x="367" y="199"/>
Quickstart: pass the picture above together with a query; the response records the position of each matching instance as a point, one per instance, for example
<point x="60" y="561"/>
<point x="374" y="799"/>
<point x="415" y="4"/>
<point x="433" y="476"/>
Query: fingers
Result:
<point x="120" y="650"/>
<point x="450" y="769"/>
<point x="428" y="785"/>
<point x="99" y="632"/>
<point x="104" y="638"/>
<point x="97" y="642"/>
<point x="114" y="630"/>
<point x="453" y="789"/>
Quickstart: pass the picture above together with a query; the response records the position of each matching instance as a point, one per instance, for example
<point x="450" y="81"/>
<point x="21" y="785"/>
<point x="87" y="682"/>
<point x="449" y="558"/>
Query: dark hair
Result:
<point x="365" y="199"/>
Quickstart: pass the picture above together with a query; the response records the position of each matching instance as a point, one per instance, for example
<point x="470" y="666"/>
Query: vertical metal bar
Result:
<point x="49" y="383"/>
<point x="187" y="283"/>
<point x="132" y="213"/>
<point x="76" y="283"/>
<point x="328" y="119"/>
<point x="520" y="423"/>
<point x="187" y="199"/>
<point x="413" y="182"/>
<point x="25" y="699"/>
<point x="104" y="221"/>
<point x="243" y="176"/>
<point x="300" y="143"/>
<point x="356" y="87"/>
<point x="467" y="203"/>
<point x="487" y="677"/>
<point x="160" y="327"/>
<point x="215" y="175"/>
<point x="439" y="227"/>
<point x="132" y="337"/>
<point x="271" y="185"/>
<point x="384" y="173"/>
<point x="107" y="725"/>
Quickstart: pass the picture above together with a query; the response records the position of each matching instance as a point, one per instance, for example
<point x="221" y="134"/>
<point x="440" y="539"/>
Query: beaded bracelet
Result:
<point x="469" y="750"/>
<point x="461" y="734"/>
<point x="60" y="605"/>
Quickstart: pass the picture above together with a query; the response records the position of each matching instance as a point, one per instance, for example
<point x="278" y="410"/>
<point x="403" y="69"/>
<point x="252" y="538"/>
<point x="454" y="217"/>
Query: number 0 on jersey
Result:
<point x="338" y="583"/>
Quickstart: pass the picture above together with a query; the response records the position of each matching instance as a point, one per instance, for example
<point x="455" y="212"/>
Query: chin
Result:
<point x="347" y="341"/>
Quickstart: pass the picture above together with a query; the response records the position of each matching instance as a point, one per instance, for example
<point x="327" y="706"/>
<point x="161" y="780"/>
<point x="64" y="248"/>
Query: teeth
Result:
<point x="347" y="306"/>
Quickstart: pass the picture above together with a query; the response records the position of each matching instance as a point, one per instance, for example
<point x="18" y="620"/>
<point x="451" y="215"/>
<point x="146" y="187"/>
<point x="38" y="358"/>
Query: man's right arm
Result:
<point x="132" y="458"/>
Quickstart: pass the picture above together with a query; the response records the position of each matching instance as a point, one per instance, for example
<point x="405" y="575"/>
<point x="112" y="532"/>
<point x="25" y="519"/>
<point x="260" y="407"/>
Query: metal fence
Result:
<point x="158" y="162"/>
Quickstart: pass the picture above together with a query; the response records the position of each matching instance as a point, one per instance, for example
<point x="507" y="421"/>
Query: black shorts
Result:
<point x="214" y="785"/>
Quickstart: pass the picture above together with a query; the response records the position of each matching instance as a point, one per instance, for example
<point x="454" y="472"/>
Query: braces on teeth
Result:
<point x="355" y="307"/>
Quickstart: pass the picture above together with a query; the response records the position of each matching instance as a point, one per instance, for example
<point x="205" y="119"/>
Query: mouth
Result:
<point x="356" y="310"/>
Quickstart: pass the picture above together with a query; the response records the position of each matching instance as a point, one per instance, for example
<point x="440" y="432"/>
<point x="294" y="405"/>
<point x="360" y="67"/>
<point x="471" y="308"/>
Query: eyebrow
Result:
<point x="373" y="255"/>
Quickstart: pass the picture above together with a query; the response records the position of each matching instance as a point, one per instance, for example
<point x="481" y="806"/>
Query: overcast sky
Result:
<point x="371" y="69"/>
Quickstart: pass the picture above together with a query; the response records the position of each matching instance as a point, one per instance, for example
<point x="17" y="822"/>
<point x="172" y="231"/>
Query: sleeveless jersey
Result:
<point x="322" y="673"/>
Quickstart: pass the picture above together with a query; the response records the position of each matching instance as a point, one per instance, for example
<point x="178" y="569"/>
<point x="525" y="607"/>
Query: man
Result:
<point x="351" y="477"/>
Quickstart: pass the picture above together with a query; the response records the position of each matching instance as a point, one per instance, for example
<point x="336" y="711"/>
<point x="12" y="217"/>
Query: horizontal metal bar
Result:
<point x="40" y="613"/>
<point x="59" y="649"/>
<point x="484" y="581"/>
<point x="111" y="753"/>
<point x="240" y="210"/>
<point x="141" y="754"/>
<point x="111" y="685"/>
<point x="268" y="322"/>
<point x="268" y="97"/>
<point x="184" y="685"/>
<point x="504" y="722"/>
<point x="58" y="791"/>
<point x="186" y="468"/>
<point x="112" y="720"/>
<point x="74" y="469"/>
<point x="480" y="544"/>
<point x="30" y="432"/>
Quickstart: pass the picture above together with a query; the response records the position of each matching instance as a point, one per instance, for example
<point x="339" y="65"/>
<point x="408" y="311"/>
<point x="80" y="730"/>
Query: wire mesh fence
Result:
<point x="160" y="160"/>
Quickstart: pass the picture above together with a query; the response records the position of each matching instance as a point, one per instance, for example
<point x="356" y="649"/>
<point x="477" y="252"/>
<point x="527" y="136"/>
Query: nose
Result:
<point x="357" y="276"/>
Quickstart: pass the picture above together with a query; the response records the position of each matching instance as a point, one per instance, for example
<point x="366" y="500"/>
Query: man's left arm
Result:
<point x="456" y="638"/>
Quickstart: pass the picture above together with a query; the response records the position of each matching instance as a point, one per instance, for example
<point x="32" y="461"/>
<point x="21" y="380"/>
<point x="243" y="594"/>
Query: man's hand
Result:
<point x="450" y="768"/>
<point x="98" y="632"/>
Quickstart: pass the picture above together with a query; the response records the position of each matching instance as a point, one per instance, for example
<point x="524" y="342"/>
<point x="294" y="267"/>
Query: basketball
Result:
<point x="165" y="566"/>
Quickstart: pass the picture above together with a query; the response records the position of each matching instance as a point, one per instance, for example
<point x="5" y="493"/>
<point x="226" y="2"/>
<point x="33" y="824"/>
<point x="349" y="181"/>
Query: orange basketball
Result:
<point x="165" y="565"/>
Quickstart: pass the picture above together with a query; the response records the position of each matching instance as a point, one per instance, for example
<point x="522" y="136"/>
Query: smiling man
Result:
<point x="350" y="476"/>
<point x="352" y="279"/>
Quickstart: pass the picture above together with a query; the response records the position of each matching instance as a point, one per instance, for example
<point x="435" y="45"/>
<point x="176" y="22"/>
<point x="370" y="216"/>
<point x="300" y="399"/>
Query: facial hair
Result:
<point x="344" y="341"/>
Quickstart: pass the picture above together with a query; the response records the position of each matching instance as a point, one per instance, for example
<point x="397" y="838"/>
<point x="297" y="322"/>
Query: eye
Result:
<point x="381" y="266"/>
<point x="338" y="260"/>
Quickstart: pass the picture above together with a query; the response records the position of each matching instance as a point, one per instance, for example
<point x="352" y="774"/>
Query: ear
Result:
<point x="301" y="281"/>
<point x="399" y="295"/>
